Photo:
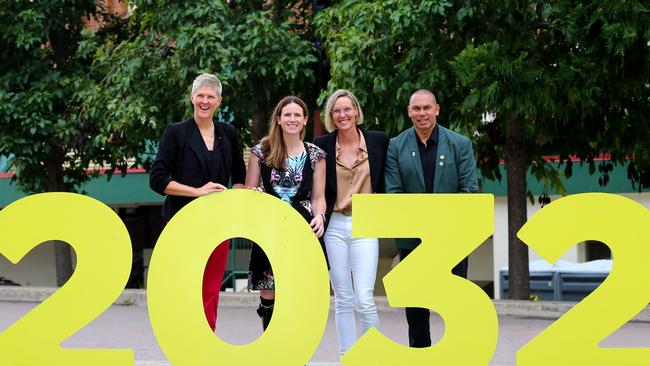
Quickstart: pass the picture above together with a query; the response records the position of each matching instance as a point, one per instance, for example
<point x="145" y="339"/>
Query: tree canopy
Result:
<point x="73" y="97"/>
<point x="384" y="51"/>
<point x="259" y="52"/>
<point x="41" y="72"/>
<point x="523" y="78"/>
<point x="44" y="65"/>
<point x="552" y="74"/>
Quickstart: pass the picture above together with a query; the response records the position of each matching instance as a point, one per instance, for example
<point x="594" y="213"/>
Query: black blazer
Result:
<point x="376" y="143"/>
<point x="180" y="159"/>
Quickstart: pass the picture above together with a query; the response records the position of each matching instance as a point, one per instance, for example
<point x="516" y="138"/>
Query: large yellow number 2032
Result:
<point x="624" y="226"/>
<point x="176" y="271"/>
<point x="103" y="250"/>
<point x="451" y="226"/>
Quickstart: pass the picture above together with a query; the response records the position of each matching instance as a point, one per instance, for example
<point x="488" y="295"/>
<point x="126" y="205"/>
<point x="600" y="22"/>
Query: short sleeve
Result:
<point x="316" y="154"/>
<point x="257" y="151"/>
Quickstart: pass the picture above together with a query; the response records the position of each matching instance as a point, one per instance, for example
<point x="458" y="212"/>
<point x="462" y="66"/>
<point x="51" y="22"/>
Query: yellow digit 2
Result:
<point x="450" y="226"/>
<point x="176" y="270"/>
<point x="103" y="250"/>
<point x="624" y="226"/>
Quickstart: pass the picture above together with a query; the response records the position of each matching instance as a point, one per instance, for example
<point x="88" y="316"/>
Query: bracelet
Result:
<point x="322" y="214"/>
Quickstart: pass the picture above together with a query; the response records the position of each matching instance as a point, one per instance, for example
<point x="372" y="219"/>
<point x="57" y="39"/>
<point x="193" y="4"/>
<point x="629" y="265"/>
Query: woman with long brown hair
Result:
<point x="285" y="166"/>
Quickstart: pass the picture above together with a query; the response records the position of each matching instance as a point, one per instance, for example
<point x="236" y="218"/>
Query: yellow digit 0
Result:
<point x="624" y="226"/>
<point x="451" y="226"/>
<point x="176" y="269"/>
<point x="103" y="250"/>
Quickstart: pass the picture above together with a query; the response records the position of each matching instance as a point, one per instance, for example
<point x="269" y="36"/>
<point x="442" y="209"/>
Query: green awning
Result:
<point x="133" y="189"/>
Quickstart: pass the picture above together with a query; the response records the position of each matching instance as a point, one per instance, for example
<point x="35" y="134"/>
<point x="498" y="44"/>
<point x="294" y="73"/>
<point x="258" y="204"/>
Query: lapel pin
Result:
<point x="412" y="153"/>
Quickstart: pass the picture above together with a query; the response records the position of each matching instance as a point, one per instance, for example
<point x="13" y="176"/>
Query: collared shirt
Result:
<point x="428" y="158"/>
<point x="351" y="179"/>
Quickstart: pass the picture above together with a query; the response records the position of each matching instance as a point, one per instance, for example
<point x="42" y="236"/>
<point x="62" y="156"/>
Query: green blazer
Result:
<point x="455" y="168"/>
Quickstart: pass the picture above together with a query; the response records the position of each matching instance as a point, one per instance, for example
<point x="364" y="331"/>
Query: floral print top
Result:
<point x="286" y="183"/>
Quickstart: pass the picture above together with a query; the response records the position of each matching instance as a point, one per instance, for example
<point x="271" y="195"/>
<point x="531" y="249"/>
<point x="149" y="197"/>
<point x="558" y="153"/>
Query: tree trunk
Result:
<point x="62" y="254"/>
<point x="63" y="261"/>
<point x="516" y="165"/>
<point x="259" y="128"/>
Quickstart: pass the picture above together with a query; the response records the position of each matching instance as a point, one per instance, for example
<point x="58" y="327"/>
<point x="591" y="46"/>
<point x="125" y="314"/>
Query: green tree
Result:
<point x="260" y="52"/>
<point x="71" y="97"/>
<point x="42" y="73"/>
<point x="524" y="78"/>
<point x="558" y="77"/>
<point x="386" y="50"/>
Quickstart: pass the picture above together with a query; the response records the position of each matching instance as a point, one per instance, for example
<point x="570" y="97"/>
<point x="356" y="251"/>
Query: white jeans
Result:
<point x="351" y="261"/>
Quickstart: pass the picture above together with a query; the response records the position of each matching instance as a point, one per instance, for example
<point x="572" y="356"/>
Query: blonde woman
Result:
<point x="355" y="164"/>
<point x="285" y="166"/>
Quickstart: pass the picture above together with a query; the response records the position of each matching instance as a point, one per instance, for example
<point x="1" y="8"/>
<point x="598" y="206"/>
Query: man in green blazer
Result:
<point x="428" y="158"/>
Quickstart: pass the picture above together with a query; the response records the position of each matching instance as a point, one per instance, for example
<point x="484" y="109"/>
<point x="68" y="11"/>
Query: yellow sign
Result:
<point x="103" y="250"/>
<point x="450" y="226"/>
<point x="176" y="272"/>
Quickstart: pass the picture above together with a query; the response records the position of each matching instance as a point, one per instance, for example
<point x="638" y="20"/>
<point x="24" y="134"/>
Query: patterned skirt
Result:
<point x="260" y="273"/>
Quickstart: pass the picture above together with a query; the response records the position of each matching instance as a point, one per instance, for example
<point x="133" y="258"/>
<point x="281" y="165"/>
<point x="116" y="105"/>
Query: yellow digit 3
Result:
<point x="103" y="250"/>
<point x="451" y="226"/>
<point x="624" y="226"/>
<point x="176" y="270"/>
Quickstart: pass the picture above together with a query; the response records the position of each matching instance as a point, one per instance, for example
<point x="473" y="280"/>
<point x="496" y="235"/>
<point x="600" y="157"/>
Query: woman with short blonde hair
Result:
<point x="329" y="106"/>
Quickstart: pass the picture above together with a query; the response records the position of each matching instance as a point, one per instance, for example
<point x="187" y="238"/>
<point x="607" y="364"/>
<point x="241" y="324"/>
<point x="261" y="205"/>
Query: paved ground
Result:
<point x="128" y="327"/>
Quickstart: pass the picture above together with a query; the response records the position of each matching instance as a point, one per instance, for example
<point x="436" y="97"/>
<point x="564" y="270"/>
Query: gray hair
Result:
<point x="206" y="80"/>
<point x="329" y="123"/>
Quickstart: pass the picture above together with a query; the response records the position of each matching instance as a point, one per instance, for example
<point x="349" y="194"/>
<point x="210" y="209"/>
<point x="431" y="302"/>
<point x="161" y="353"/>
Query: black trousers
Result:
<point x="418" y="318"/>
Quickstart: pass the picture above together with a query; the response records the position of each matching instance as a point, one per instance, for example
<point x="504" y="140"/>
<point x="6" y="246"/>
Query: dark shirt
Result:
<point x="184" y="158"/>
<point x="213" y="157"/>
<point x="428" y="158"/>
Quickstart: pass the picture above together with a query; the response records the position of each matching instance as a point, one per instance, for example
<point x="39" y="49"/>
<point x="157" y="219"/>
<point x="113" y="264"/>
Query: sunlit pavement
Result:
<point x="129" y="327"/>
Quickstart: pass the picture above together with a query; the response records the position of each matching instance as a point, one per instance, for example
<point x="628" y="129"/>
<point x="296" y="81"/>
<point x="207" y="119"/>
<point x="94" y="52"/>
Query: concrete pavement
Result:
<point x="127" y="326"/>
<point x="533" y="309"/>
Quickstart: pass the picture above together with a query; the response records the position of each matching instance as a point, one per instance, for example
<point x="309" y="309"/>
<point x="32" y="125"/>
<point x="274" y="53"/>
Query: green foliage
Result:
<point x="383" y="51"/>
<point x="525" y="79"/>
<point x="41" y="73"/>
<point x="575" y="73"/>
<point x="260" y="54"/>
<point x="272" y="60"/>
<point x="70" y="96"/>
